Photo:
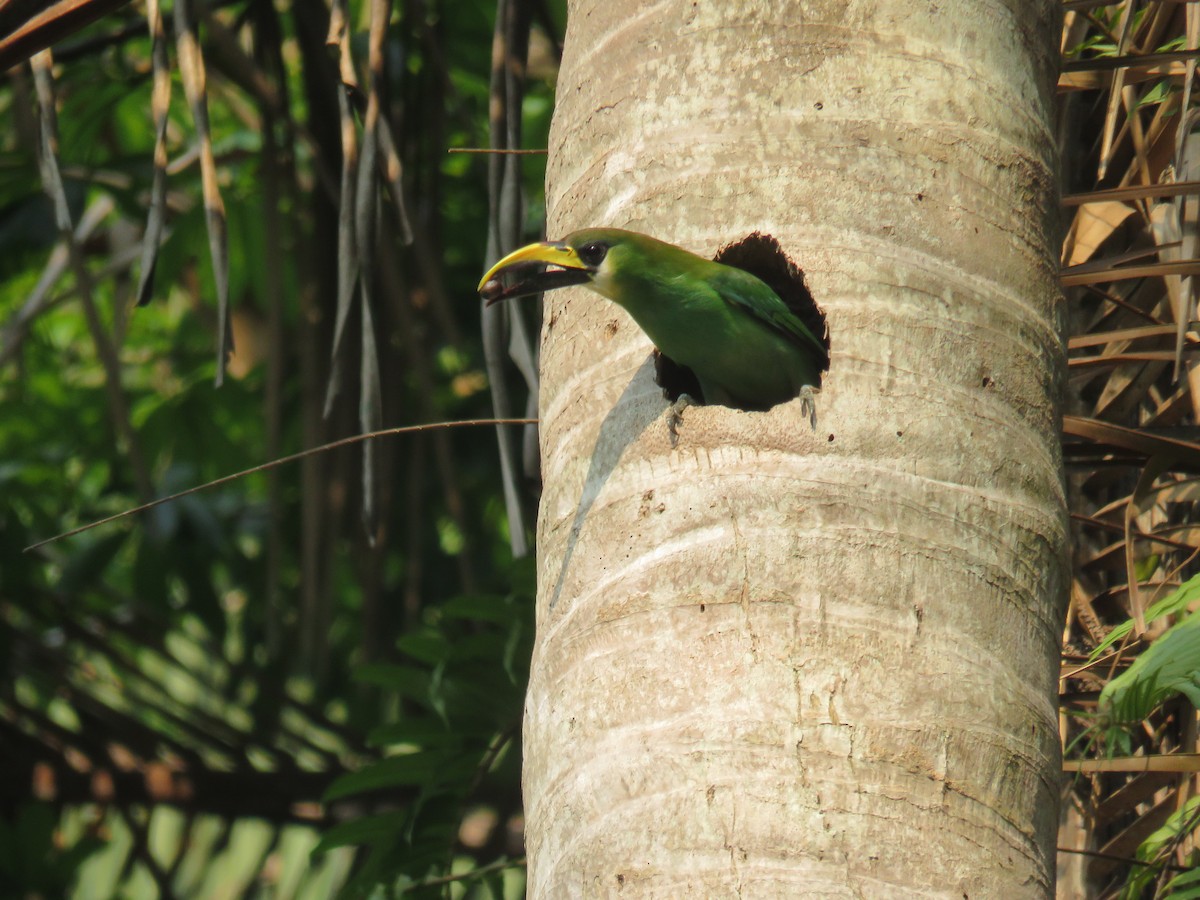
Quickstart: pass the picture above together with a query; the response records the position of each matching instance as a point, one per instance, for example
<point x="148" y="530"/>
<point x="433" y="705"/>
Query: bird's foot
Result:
<point x="675" y="416"/>
<point x="808" y="403"/>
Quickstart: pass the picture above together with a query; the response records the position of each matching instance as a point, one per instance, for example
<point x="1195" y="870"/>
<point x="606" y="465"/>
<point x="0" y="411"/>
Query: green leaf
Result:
<point x="1169" y="666"/>
<point x="407" y="681"/>
<point x="1156" y="95"/>
<point x="483" y="646"/>
<point x="1175" y="603"/>
<point x="427" y="733"/>
<point x="1185" y="879"/>
<point x="480" y="608"/>
<point x="518" y="650"/>
<point x="421" y="769"/>
<point x="367" y="830"/>
<point x="426" y="646"/>
<point x="88" y="562"/>
<point x="1140" y="877"/>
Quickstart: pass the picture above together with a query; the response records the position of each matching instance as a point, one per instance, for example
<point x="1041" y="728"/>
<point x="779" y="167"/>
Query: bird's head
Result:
<point x="587" y="257"/>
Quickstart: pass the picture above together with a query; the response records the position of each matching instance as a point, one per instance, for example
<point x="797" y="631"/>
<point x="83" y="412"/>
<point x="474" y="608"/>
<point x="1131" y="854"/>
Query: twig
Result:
<point x="509" y="151"/>
<point x="498" y="866"/>
<point x="303" y="454"/>
<point x="1128" y="860"/>
<point x="495" y="748"/>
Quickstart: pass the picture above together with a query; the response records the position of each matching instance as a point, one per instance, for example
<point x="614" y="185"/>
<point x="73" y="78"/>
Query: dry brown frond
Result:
<point x="1130" y="439"/>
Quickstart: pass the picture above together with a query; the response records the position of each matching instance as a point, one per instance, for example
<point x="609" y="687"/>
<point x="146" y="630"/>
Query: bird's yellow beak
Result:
<point x="533" y="269"/>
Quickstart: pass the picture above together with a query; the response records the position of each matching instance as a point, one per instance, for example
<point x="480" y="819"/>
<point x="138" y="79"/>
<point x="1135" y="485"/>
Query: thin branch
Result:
<point x="1128" y="860"/>
<point x="46" y="24"/>
<point x="501" y="150"/>
<point x="283" y="460"/>
<point x="498" y="866"/>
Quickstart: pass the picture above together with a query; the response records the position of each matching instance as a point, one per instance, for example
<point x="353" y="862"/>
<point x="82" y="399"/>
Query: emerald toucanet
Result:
<point x="746" y="348"/>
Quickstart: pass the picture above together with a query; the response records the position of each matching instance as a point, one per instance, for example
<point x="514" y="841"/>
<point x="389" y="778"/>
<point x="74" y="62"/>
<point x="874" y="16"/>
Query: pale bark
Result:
<point x="771" y="661"/>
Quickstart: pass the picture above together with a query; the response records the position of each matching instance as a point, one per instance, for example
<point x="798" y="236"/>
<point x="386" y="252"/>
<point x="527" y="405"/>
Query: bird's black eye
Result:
<point x="592" y="253"/>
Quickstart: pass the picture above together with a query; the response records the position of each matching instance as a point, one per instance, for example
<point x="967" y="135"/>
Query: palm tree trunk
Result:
<point x="776" y="661"/>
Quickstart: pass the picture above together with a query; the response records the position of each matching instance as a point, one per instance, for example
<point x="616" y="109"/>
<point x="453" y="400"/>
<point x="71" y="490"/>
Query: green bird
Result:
<point x="746" y="348"/>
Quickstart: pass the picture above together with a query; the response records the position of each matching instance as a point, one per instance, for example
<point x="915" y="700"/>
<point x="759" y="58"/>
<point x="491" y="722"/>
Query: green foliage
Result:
<point x="1157" y="850"/>
<point x="31" y="861"/>
<point x="1174" y="604"/>
<point x="1184" y="886"/>
<point x="1168" y="667"/>
<point x="460" y="696"/>
<point x="252" y="628"/>
<point x="1105" y="44"/>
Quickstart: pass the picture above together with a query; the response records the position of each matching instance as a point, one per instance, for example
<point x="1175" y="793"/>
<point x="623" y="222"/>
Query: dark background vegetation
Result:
<point x="309" y="680"/>
<point x="193" y="697"/>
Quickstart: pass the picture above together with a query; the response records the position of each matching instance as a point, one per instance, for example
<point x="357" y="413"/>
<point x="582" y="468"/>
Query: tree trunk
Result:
<point x="773" y="661"/>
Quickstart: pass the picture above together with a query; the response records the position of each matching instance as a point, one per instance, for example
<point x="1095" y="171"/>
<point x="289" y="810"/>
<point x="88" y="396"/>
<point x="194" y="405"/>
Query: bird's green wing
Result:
<point x="746" y="291"/>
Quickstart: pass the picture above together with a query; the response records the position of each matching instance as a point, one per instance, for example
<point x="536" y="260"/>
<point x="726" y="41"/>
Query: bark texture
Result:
<point x="772" y="662"/>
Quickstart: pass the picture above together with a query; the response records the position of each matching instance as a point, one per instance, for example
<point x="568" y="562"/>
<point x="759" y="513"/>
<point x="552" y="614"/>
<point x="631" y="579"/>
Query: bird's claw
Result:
<point x="675" y="417"/>
<point x="808" y="404"/>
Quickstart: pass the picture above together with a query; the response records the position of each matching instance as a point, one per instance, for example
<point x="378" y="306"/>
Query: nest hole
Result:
<point x="762" y="256"/>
